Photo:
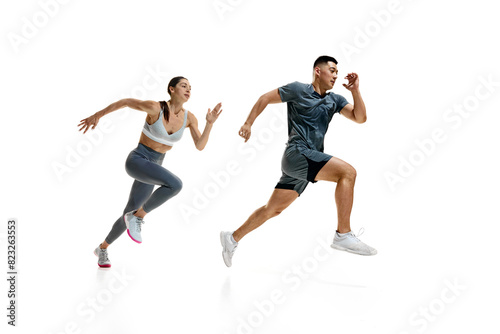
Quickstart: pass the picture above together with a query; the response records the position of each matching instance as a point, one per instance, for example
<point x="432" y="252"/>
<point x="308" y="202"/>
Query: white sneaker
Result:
<point x="133" y="224"/>
<point x="349" y="242"/>
<point x="228" y="247"/>
<point x="102" y="254"/>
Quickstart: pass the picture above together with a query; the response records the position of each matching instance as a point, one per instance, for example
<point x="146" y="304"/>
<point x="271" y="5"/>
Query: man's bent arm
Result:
<point x="359" y="110"/>
<point x="356" y="112"/>
<point x="261" y="104"/>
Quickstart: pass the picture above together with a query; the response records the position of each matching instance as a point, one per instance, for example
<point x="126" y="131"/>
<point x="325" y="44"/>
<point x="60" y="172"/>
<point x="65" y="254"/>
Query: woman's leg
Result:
<point x="151" y="173"/>
<point x="147" y="174"/>
<point x="139" y="193"/>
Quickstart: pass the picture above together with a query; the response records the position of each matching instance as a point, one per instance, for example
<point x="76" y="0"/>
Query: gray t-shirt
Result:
<point x="309" y="114"/>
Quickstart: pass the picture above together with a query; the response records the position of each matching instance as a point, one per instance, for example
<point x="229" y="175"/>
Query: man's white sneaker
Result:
<point x="349" y="242"/>
<point x="228" y="247"/>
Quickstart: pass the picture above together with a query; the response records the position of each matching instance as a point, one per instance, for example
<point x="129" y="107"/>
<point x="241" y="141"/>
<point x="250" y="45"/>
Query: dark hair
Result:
<point x="164" y="108"/>
<point x="163" y="104"/>
<point x="174" y="83"/>
<point x="324" y="60"/>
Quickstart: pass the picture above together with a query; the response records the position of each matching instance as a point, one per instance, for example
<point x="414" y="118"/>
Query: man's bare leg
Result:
<point x="344" y="175"/>
<point x="279" y="201"/>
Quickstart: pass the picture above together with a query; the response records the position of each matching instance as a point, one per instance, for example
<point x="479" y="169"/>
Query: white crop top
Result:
<point x="158" y="133"/>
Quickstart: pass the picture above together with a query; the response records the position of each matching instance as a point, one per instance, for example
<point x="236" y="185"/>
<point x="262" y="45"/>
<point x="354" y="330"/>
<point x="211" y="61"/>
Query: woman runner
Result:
<point x="165" y="123"/>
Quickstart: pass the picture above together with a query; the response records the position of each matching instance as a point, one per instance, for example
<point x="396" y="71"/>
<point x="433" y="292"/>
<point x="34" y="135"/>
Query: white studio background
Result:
<point x="426" y="192"/>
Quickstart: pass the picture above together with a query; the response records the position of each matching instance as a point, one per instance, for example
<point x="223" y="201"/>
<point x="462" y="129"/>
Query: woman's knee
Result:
<point x="175" y="184"/>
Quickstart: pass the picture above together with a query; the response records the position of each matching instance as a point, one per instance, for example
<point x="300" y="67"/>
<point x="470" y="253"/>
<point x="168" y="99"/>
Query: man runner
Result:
<point x="310" y="110"/>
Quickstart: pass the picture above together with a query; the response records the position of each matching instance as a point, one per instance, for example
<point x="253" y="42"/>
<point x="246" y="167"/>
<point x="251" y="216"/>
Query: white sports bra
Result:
<point x="158" y="133"/>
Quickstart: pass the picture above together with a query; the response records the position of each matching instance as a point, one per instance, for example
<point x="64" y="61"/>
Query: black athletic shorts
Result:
<point x="300" y="165"/>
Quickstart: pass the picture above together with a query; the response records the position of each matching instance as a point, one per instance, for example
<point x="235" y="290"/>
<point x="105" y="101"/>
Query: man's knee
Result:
<point x="350" y="174"/>
<point x="273" y="211"/>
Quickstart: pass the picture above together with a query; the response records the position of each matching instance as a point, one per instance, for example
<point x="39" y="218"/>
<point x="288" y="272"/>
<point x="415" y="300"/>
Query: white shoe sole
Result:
<point x="127" y="224"/>
<point x="337" y="247"/>
<point x="223" y="249"/>
<point x="101" y="265"/>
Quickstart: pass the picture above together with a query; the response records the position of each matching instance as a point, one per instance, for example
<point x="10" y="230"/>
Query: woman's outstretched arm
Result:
<point x="150" y="107"/>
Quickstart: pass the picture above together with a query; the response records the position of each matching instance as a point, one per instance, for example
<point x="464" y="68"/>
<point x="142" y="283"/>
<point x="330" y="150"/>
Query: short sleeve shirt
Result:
<point x="309" y="113"/>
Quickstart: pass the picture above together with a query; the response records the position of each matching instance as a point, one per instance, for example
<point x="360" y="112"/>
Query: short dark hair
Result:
<point x="324" y="60"/>
<point x="174" y="83"/>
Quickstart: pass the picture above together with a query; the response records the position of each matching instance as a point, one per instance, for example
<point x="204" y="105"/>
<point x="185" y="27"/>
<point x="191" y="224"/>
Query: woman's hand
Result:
<point x="89" y="122"/>
<point x="212" y="115"/>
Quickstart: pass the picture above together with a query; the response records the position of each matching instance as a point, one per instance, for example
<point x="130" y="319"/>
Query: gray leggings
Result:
<point x="144" y="165"/>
